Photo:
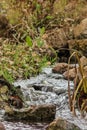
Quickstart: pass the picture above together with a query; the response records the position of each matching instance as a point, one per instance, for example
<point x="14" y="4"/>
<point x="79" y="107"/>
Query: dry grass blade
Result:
<point x="81" y="87"/>
<point x="69" y="94"/>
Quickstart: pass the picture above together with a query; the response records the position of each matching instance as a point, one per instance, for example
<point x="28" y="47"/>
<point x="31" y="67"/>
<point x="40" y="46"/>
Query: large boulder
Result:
<point x="71" y="74"/>
<point x="61" y="67"/>
<point x="80" y="45"/>
<point x="33" y="113"/>
<point x="80" y="31"/>
<point x="62" y="124"/>
<point x="55" y="38"/>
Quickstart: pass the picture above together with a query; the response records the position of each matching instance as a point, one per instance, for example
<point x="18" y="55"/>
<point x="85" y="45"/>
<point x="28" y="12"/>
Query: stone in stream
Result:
<point x="33" y="113"/>
<point x="62" y="124"/>
<point x="61" y="68"/>
<point x="72" y="74"/>
<point x="2" y="126"/>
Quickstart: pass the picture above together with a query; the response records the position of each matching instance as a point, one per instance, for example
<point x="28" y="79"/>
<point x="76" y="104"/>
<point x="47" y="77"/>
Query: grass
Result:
<point x="20" y="61"/>
<point x="80" y="89"/>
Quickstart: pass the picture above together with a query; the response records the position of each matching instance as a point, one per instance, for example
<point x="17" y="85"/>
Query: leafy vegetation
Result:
<point x="18" y="56"/>
<point x="19" y="61"/>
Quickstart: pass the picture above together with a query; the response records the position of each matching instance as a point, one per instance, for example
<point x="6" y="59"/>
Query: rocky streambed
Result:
<point x="47" y="88"/>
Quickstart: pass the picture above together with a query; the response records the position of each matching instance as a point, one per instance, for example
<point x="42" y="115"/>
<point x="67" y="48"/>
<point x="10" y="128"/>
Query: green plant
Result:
<point x="29" y="41"/>
<point x="39" y="40"/>
<point x="6" y="75"/>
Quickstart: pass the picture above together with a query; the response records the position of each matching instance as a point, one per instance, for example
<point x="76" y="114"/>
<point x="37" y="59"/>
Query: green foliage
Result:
<point x="41" y="60"/>
<point x="20" y="61"/>
<point x="38" y="8"/>
<point x="29" y="41"/>
<point x="39" y="40"/>
<point x="42" y="31"/>
<point x="6" y="75"/>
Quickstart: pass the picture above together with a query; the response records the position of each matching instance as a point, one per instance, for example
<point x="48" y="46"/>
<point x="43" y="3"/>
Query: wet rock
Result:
<point x="72" y="74"/>
<point x="34" y="113"/>
<point x="2" y="126"/>
<point x="62" y="124"/>
<point x="57" y="86"/>
<point x="60" y="68"/>
<point x="47" y="71"/>
<point x="80" y="31"/>
<point x="59" y="91"/>
<point x="16" y="102"/>
<point x="80" y="45"/>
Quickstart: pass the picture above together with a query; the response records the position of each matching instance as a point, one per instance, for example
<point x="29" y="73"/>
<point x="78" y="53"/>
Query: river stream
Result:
<point x="45" y="88"/>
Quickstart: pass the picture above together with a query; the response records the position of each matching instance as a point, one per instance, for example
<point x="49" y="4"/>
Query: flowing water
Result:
<point x="46" y="88"/>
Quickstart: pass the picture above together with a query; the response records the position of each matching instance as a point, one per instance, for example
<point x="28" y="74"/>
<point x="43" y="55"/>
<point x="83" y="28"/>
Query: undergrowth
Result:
<point x="28" y="21"/>
<point x="21" y="61"/>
